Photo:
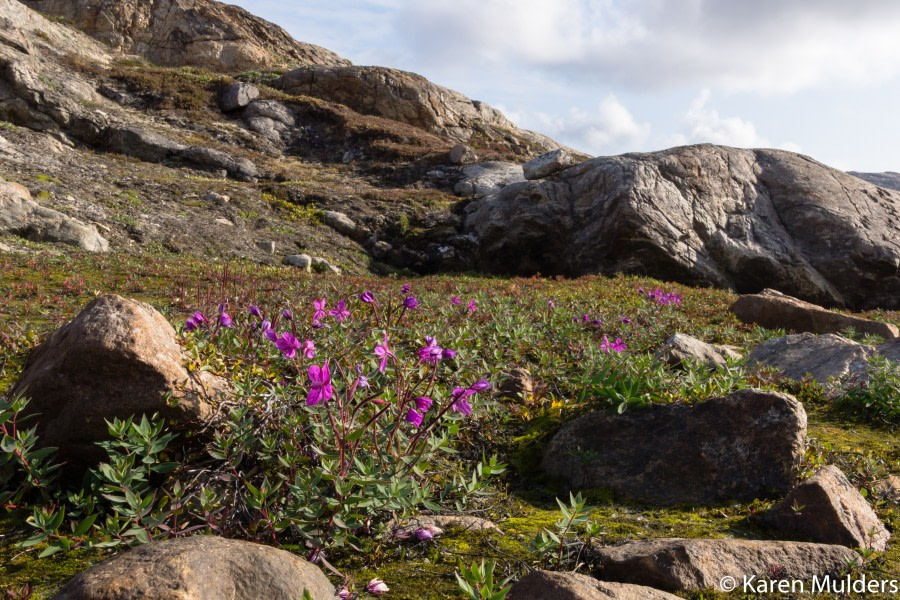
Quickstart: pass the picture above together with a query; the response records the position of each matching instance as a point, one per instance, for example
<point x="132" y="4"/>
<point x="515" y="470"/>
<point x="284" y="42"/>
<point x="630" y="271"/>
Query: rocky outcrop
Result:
<point x="412" y="99"/>
<point x="680" y="347"/>
<point x="888" y="179"/>
<point x="821" y="356"/>
<point x="117" y="358"/>
<point x="547" y="164"/>
<point x="201" y="567"/>
<point x="22" y="216"/>
<point x="740" y="447"/>
<point x="201" y="33"/>
<point x="773" y="310"/>
<point x="828" y="509"/>
<point x="738" y="219"/>
<point x="554" y="585"/>
<point x="487" y="178"/>
<point x="238" y="95"/>
<point x="696" y="564"/>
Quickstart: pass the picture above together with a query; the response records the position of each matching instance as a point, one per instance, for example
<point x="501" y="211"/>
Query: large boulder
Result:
<point x="411" y="99"/>
<point x="547" y="164"/>
<point x="827" y="508"/>
<point x="733" y="218"/>
<point x="822" y="356"/>
<point x="773" y="310"/>
<point x="680" y="347"/>
<point x="117" y="358"/>
<point x="740" y="447"/>
<point x="488" y="178"/>
<point x="22" y="216"/>
<point x="696" y="564"/>
<point x="200" y="567"/>
<point x="238" y="95"/>
<point x="554" y="585"/>
<point x="201" y="33"/>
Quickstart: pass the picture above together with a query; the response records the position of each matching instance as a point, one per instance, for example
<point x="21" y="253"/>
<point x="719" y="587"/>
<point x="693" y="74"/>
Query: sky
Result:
<point x="820" y="77"/>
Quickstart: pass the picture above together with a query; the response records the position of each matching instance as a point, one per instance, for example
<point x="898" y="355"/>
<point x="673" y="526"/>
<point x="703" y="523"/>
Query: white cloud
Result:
<point x="610" y="128"/>
<point x="707" y="125"/>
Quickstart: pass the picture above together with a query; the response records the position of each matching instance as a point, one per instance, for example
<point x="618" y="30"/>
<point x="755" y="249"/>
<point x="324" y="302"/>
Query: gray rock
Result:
<point x="732" y="218"/>
<point x="239" y="168"/>
<point x="322" y="265"/>
<point x="890" y="350"/>
<point x="340" y="223"/>
<point x="827" y="509"/>
<point x="696" y="564"/>
<point x="238" y="95"/>
<point x="555" y="585"/>
<point x="888" y="179"/>
<point x="462" y="154"/>
<point x="266" y="246"/>
<point x="22" y="216"/>
<point x="302" y="261"/>
<point x="488" y="178"/>
<point x="270" y="109"/>
<point x="547" y="164"/>
<point x="142" y="144"/>
<point x="116" y="359"/>
<point x="740" y="447"/>
<point x="516" y="383"/>
<point x="216" y="198"/>
<point x="773" y="310"/>
<point x="201" y="567"/>
<point x="888" y="489"/>
<point x="822" y="356"/>
<point x="680" y="347"/>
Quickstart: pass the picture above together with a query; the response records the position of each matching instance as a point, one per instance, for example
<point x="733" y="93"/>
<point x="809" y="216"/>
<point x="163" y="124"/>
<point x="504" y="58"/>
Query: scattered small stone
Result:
<point x="828" y="509"/>
<point x="516" y="383"/>
<point x="556" y="585"/>
<point x="238" y="95"/>
<point x="462" y="154"/>
<point x="323" y="265"/>
<point x="773" y="310"/>
<point x="302" y="261"/>
<point x="548" y="164"/>
<point x="223" y="221"/>
<point x="888" y="489"/>
<point x="340" y="222"/>
<point x="694" y="564"/>
<point x="680" y="347"/>
<point x="743" y="446"/>
<point x="266" y="246"/>
<point x="216" y="198"/>
<point x="381" y="248"/>
<point x="200" y="567"/>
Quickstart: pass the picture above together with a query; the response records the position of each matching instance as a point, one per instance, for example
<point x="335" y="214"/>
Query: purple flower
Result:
<point x="340" y="313"/>
<point x="462" y="406"/>
<point x="383" y="352"/>
<point x="423" y="403"/>
<point x="455" y="300"/>
<point x="194" y="321"/>
<point x="319" y="385"/>
<point x="597" y="322"/>
<point x="473" y="306"/>
<point x="430" y="353"/>
<point x="377" y="587"/>
<point x="426" y="533"/>
<point x="255" y="312"/>
<point x="480" y="385"/>
<point x="616" y="346"/>
<point x="405" y="289"/>
<point x="287" y="343"/>
<point x="414" y="417"/>
<point x="319" y="314"/>
<point x="225" y="320"/>
<point x="367" y="297"/>
<point x="410" y="302"/>
<point x="287" y="314"/>
<point x="361" y="380"/>
<point x="309" y="349"/>
<point x="344" y="593"/>
<point x="448" y="353"/>
<point x="626" y="320"/>
<point x="551" y="304"/>
<point x="585" y="318"/>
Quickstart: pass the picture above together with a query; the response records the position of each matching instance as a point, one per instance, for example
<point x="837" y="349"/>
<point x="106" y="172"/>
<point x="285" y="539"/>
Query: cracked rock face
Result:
<point x="200" y="33"/>
<point x="733" y="218"/>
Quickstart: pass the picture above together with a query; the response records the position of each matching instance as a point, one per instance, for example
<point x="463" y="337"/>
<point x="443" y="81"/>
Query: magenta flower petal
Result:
<point x="423" y="403"/>
<point x="414" y="417"/>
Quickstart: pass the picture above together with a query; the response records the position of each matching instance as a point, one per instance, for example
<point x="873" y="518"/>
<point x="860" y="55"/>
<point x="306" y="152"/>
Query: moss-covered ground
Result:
<point x="44" y="289"/>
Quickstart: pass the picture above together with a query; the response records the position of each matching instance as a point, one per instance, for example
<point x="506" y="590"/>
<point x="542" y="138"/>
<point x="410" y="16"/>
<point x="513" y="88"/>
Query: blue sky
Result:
<point x="821" y="77"/>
